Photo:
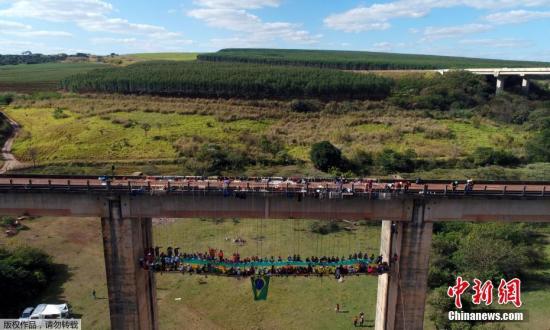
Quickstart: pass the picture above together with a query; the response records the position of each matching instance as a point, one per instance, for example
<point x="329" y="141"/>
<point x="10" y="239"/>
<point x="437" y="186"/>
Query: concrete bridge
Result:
<point x="502" y="73"/>
<point x="126" y="206"/>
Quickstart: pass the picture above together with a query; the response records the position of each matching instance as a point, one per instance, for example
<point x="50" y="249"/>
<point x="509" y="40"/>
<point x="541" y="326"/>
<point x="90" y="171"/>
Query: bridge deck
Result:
<point x="356" y="187"/>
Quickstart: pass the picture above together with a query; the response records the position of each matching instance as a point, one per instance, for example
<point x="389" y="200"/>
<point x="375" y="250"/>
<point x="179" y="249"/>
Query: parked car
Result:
<point x="47" y="311"/>
<point x="26" y="313"/>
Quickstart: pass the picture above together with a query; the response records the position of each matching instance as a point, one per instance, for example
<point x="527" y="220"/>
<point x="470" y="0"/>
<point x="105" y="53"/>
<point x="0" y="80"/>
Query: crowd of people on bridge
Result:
<point x="216" y="262"/>
<point x="238" y="186"/>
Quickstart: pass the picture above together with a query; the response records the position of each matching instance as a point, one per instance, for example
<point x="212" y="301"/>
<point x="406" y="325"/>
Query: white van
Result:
<point x="46" y="311"/>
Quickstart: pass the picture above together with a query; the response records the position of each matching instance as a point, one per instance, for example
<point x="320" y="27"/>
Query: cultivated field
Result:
<point x="127" y="59"/>
<point x="202" y="79"/>
<point x="39" y="77"/>
<point x="163" y="56"/>
<point x="354" y="60"/>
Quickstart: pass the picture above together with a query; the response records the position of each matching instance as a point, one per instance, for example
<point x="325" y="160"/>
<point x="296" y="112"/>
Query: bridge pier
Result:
<point x="132" y="290"/>
<point x="500" y="84"/>
<point x="525" y="85"/>
<point x="402" y="293"/>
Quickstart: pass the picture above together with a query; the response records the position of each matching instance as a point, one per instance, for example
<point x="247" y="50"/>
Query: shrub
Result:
<point x="24" y="274"/>
<point x="507" y="108"/>
<point x="338" y="108"/>
<point x="7" y="221"/>
<point x="538" y="117"/>
<point x="393" y="161"/>
<point x="324" y="228"/>
<point x="5" y="129"/>
<point x="361" y="162"/>
<point x="214" y="159"/>
<point x="454" y="90"/>
<point x="59" y="114"/>
<point x="271" y="144"/>
<point x="304" y="106"/>
<point x="324" y="156"/>
<point x="538" y="147"/>
<point x="484" y="156"/>
<point x="124" y="122"/>
<point x="6" y="99"/>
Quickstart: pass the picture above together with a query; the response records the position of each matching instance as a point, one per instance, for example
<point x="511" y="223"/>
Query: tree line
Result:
<point x="227" y="80"/>
<point x="355" y="60"/>
<point x="30" y="59"/>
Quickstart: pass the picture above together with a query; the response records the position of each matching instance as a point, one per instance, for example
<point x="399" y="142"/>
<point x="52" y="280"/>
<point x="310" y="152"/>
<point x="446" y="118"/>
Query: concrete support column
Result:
<point x="402" y="294"/>
<point x="500" y="84"/>
<point x="525" y="85"/>
<point x="383" y="280"/>
<point x="132" y="290"/>
<point x="390" y="243"/>
<point x="414" y="260"/>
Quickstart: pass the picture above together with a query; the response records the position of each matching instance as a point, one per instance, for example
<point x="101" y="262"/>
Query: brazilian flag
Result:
<point x="260" y="284"/>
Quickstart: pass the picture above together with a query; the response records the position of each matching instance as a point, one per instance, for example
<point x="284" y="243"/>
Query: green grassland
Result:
<point x="163" y="56"/>
<point x="24" y="73"/>
<point x="40" y="77"/>
<point x="127" y="59"/>
<point x="178" y="127"/>
<point x="355" y="60"/>
<point x="226" y="303"/>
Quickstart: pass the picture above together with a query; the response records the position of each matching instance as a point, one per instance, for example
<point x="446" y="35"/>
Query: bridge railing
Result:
<point x="241" y="190"/>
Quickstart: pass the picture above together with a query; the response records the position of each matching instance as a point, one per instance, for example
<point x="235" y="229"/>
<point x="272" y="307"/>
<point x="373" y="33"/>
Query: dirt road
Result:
<point x="10" y="162"/>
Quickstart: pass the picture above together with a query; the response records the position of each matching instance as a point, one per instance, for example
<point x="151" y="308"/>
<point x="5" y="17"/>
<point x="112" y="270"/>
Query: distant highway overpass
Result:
<point x="501" y="73"/>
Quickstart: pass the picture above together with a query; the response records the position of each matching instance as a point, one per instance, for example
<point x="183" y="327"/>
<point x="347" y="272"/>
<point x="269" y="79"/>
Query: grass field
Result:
<point x="221" y="303"/>
<point x="114" y="131"/>
<point x="40" y="77"/>
<point x="89" y="138"/>
<point x="127" y="59"/>
<point x="163" y="56"/>
<point x="355" y="60"/>
<point x="47" y="76"/>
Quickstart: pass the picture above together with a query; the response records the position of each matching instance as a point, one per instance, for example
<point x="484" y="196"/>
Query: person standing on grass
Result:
<point x="337" y="309"/>
<point x="93" y="294"/>
<point x="361" y="319"/>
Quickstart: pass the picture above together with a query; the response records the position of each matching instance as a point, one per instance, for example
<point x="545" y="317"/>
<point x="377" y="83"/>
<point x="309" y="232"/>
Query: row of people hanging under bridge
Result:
<point x="218" y="255"/>
<point x="213" y="262"/>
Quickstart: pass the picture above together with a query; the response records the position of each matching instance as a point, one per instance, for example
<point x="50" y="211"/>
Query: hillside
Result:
<point x="355" y="60"/>
<point x="87" y="133"/>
